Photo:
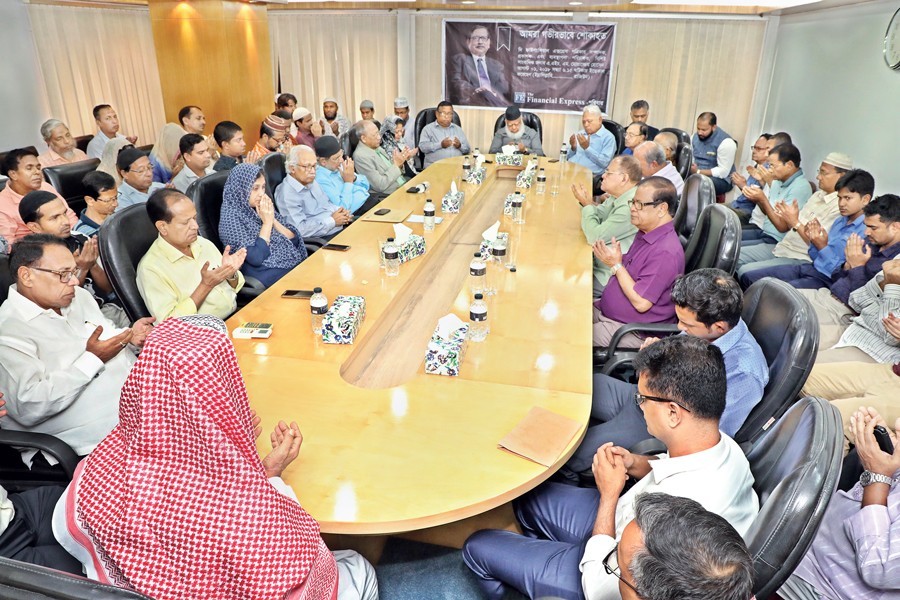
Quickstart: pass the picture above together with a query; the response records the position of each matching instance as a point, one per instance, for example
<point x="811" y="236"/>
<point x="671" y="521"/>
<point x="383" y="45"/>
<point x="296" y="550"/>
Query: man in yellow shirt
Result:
<point x="183" y="273"/>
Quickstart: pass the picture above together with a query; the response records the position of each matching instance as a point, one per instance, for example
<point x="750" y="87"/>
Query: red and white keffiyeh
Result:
<point x="176" y="497"/>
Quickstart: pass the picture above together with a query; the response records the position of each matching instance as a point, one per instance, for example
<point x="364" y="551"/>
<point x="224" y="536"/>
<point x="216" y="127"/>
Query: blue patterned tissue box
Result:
<point x="509" y="160"/>
<point x="476" y="176"/>
<point x="524" y="179"/>
<point x="507" y="203"/>
<point x="412" y="247"/>
<point x="451" y="203"/>
<point x="443" y="357"/>
<point x="343" y="320"/>
<point x="486" y="246"/>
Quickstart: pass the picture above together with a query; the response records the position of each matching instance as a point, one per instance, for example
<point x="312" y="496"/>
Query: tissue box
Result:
<point x="476" y="176"/>
<point x="443" y="357"/>
<point x="524" y="179"/>
<point x="343" y="319"/>
<point x="507" y="204"/>
<point x="411" y="248"/>
<point x="509" y="160"/>
<point x="486" y="246"/>
<point x="452" y="202"/>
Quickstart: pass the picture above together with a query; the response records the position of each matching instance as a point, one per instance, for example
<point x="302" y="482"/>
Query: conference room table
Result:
<point x="386" y="447"/>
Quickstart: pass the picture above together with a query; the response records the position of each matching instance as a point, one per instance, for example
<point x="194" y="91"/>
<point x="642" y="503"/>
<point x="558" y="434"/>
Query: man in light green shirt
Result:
<point x="383" y="172"/>
<point x="183" y="273"/>
<point x="612" y="218"/>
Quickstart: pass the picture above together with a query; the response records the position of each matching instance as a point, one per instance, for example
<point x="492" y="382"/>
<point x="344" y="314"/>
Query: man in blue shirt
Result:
<point x="302" y="201"/>
<point x="741" y="205"/>
<point x="708" y="303"/>
<point x="826" y="248"/>
<point x="337" y="177"/>
<point x="592" y="147"/>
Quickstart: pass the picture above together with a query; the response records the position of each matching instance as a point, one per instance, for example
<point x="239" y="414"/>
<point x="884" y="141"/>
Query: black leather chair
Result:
<point x="16" y="477"/>
<point x="684" y="158"/>
<point x="528" y="118"/>
<point x="618" y="132"/>
<point x="349" y="142"/>
<point x="206" y="194"/>
<point x="23" y="581"/>
<point x="682" y="135"/>
<point x="423" y="118"/>
<point x="146" y="149"/>
<point x="66" y="179"/>
<point x="698" y="193"/>
<point x="715" y="242"/>
<point x="274" y="171"/>
<point x="123" y="239"/>
<point x="82" y="141"/>
<point x="6" y="277"/>
<point x="796" y="466"/>
<point x="2" y="184"/>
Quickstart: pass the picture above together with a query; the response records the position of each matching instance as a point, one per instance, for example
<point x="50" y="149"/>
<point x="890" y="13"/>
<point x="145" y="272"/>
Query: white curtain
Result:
<point x="91" y="56"/>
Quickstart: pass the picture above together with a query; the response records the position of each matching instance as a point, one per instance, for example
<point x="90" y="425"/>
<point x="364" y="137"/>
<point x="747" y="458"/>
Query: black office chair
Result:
<point x="24" y="581"/>
<point x="123" y="240"/>
<point x="528" y="118"/>
<point x="6" y="277"/>
<point x="618" y="132"/>
<point x="66" y="179"/>
<point x="683" y="136"/>
<point x="146" y="149"/>
<point x="423" y="118"/>
<point x="795" y="467"/>
<point x="698" y="193"/>
<point x="274" y="171"/>
<point x="684" y="158"/>
<point x="2" y="184"/>
<point x="82" y="141"/>
<point x="16" y="477"/>
<point x="349" y="142"/>
<point x="715" y="242"/>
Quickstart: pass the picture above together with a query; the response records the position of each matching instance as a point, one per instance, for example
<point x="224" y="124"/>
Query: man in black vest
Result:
<point x="714" y="152"/>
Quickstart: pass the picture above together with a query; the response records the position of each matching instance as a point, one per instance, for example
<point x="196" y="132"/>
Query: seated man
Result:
<point x="197" y="161"/>
<point x="61" y="148"/>
<point x="640" y="288"/>
<point x="592" y="147"/>
<point x="336" y="176"/>
<point x="308" y="130"/>
<point x="230" y="139"/>
<point x="62" y="363"/>
<point x="401" y="109"/>
<point x="273" y="132"/>
<point x="192" y="119"/>
<point x="23" y="169"/>
<point x="102" y="199"/>
<point x="107" y="128"/>
<point x="515" y="132"/>
<point x="669" y="143"/>
<point x="854" y="553"/>
<point x="794" y="247"/>
<point x="764" y="176"/>
<point x="714" y="151"/>
<point x="636" y="133"/>
<point x="826" y="248"/>
<point x="612" y="218"/>
<point x="675" y="549"/>
<point x="382" y="171"/>
<point x="136" y="171"/>
<point x="183" y="273"/>
<point x="708" y="303"/>
<point x="367" y="112"/>
<point x="639" y="113"/>
<point x="302" y="201"/>
<point x="443" y="138"/>
<point x="653" y="162"/>
<point x="681" y="383"/>
<point x="335" y="124"/>
<point x="759" y="154"/>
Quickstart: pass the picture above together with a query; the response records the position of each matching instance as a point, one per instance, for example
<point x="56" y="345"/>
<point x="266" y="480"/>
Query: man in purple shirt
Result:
<point x="640" y="289"/>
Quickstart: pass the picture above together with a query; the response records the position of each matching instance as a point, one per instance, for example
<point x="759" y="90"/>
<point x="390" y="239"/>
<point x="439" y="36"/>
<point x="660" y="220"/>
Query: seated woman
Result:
<point x="166" y="154"/>
<point x="175" y="502"/>
<point x="392" y="139"/>
<point x="635" y="135"/>
<point x="248" y="220"/>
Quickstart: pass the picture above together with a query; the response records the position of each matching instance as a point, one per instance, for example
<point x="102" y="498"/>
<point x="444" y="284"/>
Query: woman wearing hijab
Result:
<point x="392" y="139"/>
<point x="175" y="502"/>
<point x="111" y="155"/>
<point x="166" y="154"/>
<point x="248" y="220"/>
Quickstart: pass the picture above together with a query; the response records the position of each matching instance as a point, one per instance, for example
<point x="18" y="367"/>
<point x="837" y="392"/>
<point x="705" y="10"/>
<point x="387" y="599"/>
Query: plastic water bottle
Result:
<point x="541" y="185"/>
<point x="467" y="166"/>
<point x="478" y="319"/>
<point x="518" y="208"/>
<point x="477" y="274"/>
<point x="476" y="152"/>
<point x="391" y="258"/>
<point x="318" y="306"/>
<point x="498" y="265"/>
<point x="429" y="215"/>
<point x="564" y="154"/>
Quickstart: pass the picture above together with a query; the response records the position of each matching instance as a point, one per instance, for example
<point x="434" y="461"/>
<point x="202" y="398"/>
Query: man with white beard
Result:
<point x="61" y="148"/>
<point x="526" y="139"/>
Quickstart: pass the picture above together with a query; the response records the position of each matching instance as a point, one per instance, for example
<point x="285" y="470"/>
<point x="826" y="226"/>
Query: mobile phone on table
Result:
<point x="884" y="439"/>
<point x="338" y="247"/>
<point x="382" y="211"/>
<point x="297" y="294"/>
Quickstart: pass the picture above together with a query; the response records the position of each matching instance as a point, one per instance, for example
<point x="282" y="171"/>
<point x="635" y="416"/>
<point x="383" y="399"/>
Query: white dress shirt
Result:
<point x="98" y="143"/>
<point x="724" y="159"/>
<point x="51" y="383"/>
<point x="718" y="478"/>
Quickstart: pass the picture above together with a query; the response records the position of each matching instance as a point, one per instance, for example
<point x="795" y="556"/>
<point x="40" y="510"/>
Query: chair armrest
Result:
<point x="661" y="328"/>
<point x="648" y="447"/>
<point x="313" y="243"/>
<point x="253" y="287"/>
<point x="54" y="446"/>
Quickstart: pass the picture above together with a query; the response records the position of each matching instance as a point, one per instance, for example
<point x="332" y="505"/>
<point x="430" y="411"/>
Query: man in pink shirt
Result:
<point x="23" y="169"/>
<point x="61" y="145"/>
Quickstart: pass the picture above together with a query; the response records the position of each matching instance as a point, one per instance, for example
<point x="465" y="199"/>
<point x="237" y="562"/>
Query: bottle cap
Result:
<point x="512" y="269"/>
<point x="317" y="290"/>
<point x="479" y="296"/>
<point x="478" y="255"/>
<point x="390" y="239"/>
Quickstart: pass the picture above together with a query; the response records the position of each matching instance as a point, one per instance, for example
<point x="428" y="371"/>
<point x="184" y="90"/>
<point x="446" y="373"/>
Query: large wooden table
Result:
<point x="386" y="447"/>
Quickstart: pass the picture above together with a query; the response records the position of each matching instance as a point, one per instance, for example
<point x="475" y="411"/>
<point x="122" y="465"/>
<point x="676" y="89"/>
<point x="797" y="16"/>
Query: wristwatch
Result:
<point x="615" y="268"/>
<point x="868" y="478"/>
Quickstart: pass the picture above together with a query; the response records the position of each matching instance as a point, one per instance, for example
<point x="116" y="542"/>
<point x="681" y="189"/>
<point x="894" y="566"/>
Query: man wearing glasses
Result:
<point x="62" y="362"/>
<point x="475" y="79"/>
<point x="303" y="202"/>
<point x="137" y="177"/>
<point x="273" y="133"/>
<point x="571" y="531"/>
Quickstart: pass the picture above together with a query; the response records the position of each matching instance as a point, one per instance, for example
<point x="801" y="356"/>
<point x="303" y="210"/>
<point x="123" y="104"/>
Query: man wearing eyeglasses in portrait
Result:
<point x="475" y="79"/>
<point x="62" y="362"/>
<point x="136" y="170"/>
<point x="569" y="532"/>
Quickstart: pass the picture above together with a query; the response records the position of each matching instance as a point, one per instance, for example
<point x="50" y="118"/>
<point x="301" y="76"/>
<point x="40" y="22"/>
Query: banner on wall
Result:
<point x="537" y="65"/>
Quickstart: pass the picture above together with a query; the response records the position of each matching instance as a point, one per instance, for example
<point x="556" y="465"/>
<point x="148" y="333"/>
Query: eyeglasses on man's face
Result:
<point x="639" y="399"/>
<point x="638" y="205"/>
<point x="615" y="570"/>
<point x="65" y="275"/>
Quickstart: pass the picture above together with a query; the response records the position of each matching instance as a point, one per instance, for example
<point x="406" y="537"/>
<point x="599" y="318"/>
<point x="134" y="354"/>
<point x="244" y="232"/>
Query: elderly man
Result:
<point x="183" y="273"/>
<point x="669" y="143"/>
<point x="197" y="161"/>
<point x="273" y="132"/>
<point x="61" y="149"/>
<point x="401" y="109"/>
<point x="612" y="218"/>
<point x="382" y="171"/>
<point x="640" y="112"/>
<point x="640" y="289"/>
<point x="107" y="128"/>
<point x="653" y="162"/>
<point x="337" y="177"/>
<point x="302" y="201"/>
<point x="443" y="138"/>
<point x="136" y="171"/>
<point x="62" y="362"/>
<point x="23" y="169"/>
<point x="101" y="194"/>
<point x="714" y="152"/>
<point x="474" y="78"/>
<point x="230" y="139"/>
<point x="681" y="384"/>
<point x="592" y="147"/>
<point x="516" y="133"/>
<point x="335" y="123"/>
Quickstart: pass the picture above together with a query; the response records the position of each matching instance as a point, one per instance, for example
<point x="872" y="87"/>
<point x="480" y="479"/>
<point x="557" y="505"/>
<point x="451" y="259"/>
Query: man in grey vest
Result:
<point x="714" y="152"/>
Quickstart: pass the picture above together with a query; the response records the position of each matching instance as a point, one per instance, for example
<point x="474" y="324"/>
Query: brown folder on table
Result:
<point x="541" y="436"/>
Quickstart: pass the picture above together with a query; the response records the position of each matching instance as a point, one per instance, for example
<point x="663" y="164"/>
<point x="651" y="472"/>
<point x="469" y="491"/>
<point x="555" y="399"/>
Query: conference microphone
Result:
<point x="419" y="189"/>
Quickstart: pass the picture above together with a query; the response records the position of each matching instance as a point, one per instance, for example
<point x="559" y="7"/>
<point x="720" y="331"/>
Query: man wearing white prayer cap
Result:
<point x="307" y="129"/>
<point x="335" y="124"/>
<point x="401" y="109"/>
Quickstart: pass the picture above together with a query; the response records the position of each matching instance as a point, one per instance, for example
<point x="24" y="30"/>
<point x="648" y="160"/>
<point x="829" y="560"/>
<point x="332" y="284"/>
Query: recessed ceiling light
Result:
<point x="575" y="3"/>
<point x="468" y="1"/>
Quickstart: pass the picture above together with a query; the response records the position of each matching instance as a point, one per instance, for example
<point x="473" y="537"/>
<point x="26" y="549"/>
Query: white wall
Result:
<point x="831" y="89"/>
<point x="23" y="103"/>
